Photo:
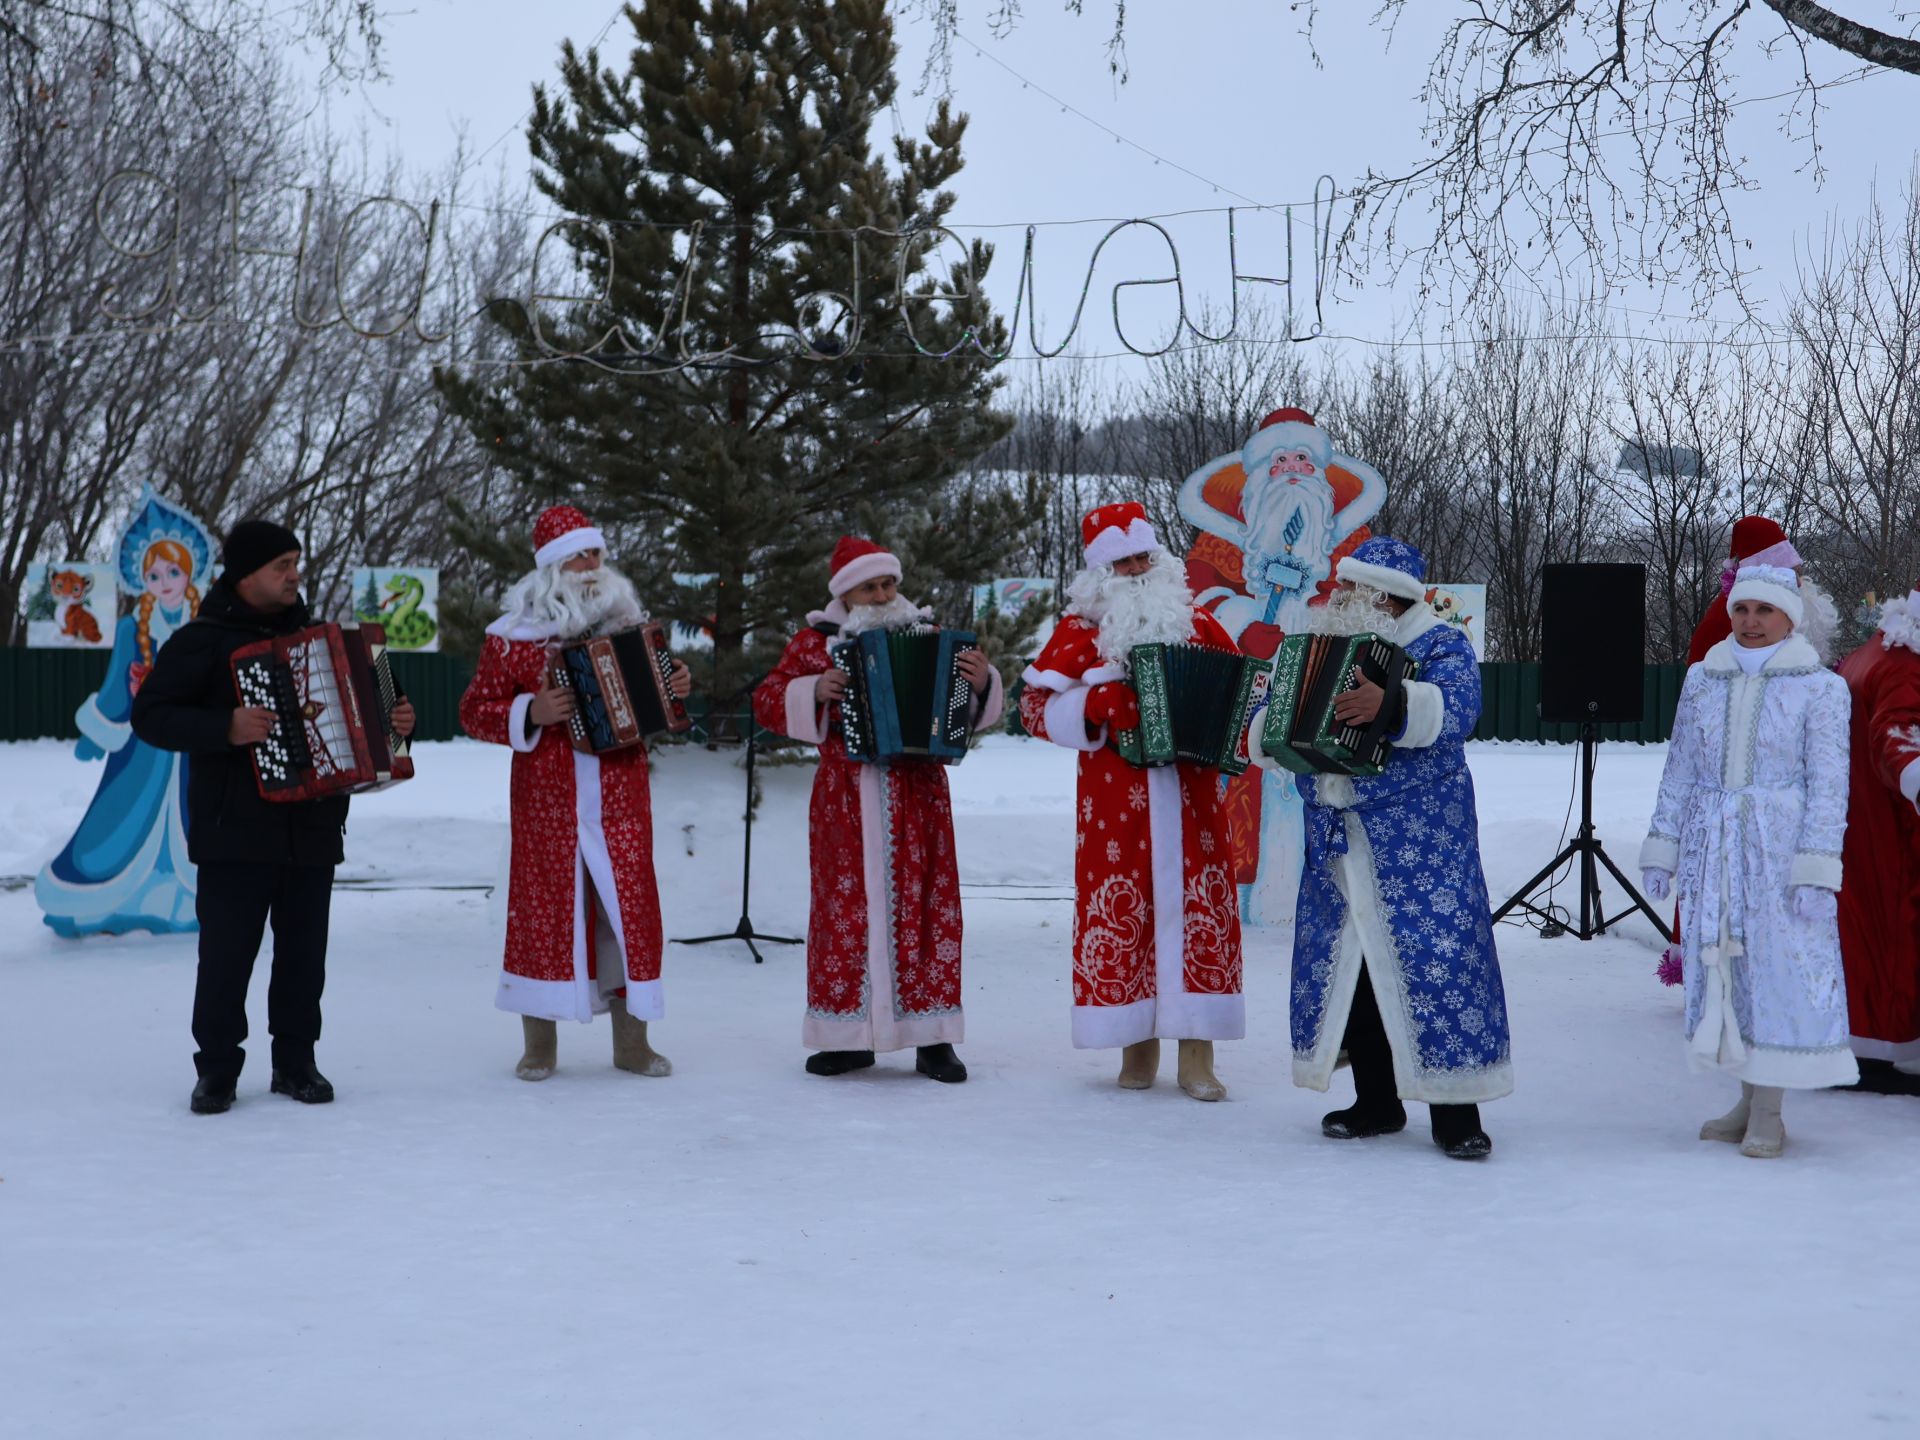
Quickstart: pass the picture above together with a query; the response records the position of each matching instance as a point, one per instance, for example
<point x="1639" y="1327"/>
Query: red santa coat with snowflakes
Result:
<point x="582" y="830"/>
<point x="1880" y="901"/>
<point x="1156" y="932"/>
<point x="883" y="926"/>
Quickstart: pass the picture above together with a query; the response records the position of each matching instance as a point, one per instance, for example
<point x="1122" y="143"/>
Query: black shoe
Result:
<point x="838" y="1062"/>
<point x="211" y="1096"/>
<point x="1883" y="1077"/>
<point x="303" y="1083"/>
<point x="1456" y="1130"/>
<point x="1364" y="1122"/>
<point x="938" y="1062"/>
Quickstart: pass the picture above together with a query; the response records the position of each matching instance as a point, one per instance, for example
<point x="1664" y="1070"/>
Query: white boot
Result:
<point x="1196" y="1071"/>
<point x="542" y="1048"/>
<point x="1139" y="1063"/>
<point x="1765" y="1134"/>
<point x="1732" y="1126"/>
<point x="630" y="1048"/>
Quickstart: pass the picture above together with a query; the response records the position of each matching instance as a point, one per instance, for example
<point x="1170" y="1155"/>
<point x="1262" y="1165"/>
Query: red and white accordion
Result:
<point x="332" y="694"/>
<point x="621" y="686"/>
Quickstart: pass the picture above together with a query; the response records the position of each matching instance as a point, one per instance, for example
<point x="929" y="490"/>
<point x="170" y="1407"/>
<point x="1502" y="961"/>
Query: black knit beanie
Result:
<point x="252" y="544"/>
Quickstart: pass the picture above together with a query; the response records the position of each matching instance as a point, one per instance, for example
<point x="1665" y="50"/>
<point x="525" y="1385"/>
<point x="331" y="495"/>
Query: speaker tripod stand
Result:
<point x="1591" y="854"/>
<point x="744" y="931"/>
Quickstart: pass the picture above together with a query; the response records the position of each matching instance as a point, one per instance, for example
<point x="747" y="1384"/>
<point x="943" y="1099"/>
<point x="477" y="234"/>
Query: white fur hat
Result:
<point x="1771" y="585"/>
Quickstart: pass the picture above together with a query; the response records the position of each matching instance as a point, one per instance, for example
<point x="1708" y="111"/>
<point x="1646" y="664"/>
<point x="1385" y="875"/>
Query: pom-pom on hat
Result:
<point x="1773" y="585"/>
<point x="1113" y="532"/>
<point x="1388" y="565"/>
<point x="857" y="560"/>
<point x="562" y="532"/>
<point x="1286" y="429"/>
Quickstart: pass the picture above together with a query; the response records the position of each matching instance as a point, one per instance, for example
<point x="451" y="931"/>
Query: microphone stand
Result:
<point x="744" y="930"/>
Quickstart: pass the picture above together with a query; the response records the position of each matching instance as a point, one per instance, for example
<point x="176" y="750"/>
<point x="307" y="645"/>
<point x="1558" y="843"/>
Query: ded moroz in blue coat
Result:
<point x="1392" y="876"/>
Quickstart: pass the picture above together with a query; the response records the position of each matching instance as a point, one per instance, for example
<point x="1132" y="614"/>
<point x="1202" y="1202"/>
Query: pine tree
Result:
<point x="369" y="606"/>
<point x="731" y="164"/>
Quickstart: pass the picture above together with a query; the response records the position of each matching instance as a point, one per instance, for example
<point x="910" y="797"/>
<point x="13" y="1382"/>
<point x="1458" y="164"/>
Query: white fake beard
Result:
<point x="1359" y="611"/>
<point x="562" y="604"/>
<point x="1147" y="609"/>
<point x="1268" y="509"/>
<point x="897" y="614"/>
<point x="1821" y="622"/>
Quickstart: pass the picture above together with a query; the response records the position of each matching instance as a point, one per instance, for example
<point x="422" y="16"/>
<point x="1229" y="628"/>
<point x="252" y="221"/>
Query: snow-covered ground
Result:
<point x="746" y="1250"/>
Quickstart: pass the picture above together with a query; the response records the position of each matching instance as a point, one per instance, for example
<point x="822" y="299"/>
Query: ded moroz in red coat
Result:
<point x="1880" y="902"/>
<point x="885" y="896"/>
<point x="582" y="829"/>
<point x="1156" y="932"/>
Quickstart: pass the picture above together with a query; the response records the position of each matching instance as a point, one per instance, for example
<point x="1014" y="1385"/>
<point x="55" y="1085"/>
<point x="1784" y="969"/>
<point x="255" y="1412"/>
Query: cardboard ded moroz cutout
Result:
<point x="126" y="866"/>
<point x="1274" y="519"/>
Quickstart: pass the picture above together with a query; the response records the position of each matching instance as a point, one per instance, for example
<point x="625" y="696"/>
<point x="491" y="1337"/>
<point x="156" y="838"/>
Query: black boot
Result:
<point x="302" y="1083"/>
<point x="212" y="1096"/>
<point x="938" y="1062"/>
<point x="1883" y="1077"/>
<point x="1456" y="1130"/>
<point x="1376" y="1108"/>
<point x="838" y="1062"/>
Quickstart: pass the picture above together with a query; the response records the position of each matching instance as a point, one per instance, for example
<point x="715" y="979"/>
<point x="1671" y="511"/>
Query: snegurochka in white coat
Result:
<point x="1749" y="822"/>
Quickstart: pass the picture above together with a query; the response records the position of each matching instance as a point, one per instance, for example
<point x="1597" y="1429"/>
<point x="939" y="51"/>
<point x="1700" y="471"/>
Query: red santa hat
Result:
<point x="1285" y="429"/>
<point x="1113" y="532"/>
<point x="562" y="532"/>
<point x="856" y="561"/>
<point x="1754" y="533"/>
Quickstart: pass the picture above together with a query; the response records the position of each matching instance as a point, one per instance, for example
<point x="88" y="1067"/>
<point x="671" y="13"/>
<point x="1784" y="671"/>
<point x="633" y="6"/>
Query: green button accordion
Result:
<point x="1194" y="704"/>
<point x="905" y="697"/>
<point x="1301" y="733"/>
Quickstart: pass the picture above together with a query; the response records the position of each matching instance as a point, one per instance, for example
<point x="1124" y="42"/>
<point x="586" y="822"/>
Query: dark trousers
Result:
<point x="236" y="901"/>
<point x="1372" y="1060"/>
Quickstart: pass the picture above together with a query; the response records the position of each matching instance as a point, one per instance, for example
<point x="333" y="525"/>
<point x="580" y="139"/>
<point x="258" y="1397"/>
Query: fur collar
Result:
<point x="1415" y="622"/>
<point x="1794" y="655"/>
<point x="1900" y="622"/>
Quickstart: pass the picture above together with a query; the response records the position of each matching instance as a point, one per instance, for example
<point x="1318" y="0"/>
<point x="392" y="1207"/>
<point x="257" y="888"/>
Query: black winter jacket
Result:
<point x="185" y="704"/>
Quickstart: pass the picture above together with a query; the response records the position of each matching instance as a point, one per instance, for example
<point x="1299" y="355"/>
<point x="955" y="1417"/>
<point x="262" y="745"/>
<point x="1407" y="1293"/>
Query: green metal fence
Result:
<point x="40" y="690"/>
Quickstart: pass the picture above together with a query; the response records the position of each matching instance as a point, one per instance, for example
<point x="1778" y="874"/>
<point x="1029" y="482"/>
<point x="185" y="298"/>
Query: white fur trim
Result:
<point x="1287" y="435"/>
<point x="806" y="717"/>
<point x="1900" y="622"/>
<point x="1820" y="870"/>
<point x="564" y="547"/>
<point x="856" y="572"/>
<point x="992" y="705"/>
<point x="517" y="735"/>
<point x="1164" y="837"/>
<point x="1101" y="674"/>
<point x="1382" y="577"/>
<point x="1784" y="598"/>
<point x="1900" y="1052"/>
<point x="1910" y="783"/>
<point x="1047" y="679"/>
<point x="1426" y="715"/>
<point x="1066" y="720"/>
<point x="1413" y="623"/>
<point x="1787" y="1069"/>
<point x="1780" y="554"/>
<point x="1103" y="1027"/>
<point x="1660" y="852"/>
<point x="109" y="735"/>
<point x="1184" y="1015"/>
<point x="1113" y="543"/>
<point x="1794" y="654"/>
<point x="834" y="614"/>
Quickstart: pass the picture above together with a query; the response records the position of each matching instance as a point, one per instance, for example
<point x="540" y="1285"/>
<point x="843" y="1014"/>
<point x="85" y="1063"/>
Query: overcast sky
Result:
<point x="1224" y="89"/>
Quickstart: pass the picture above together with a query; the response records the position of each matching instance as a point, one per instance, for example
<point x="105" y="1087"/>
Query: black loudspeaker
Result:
<point x="1593" y="640"/>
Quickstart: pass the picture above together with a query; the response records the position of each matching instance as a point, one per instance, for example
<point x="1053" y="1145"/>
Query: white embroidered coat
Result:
<point x="1753" y="803"/>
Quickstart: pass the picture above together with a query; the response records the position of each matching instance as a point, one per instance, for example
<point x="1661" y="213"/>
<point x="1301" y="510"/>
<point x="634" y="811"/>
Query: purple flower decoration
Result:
<point x="1670" y="970"/>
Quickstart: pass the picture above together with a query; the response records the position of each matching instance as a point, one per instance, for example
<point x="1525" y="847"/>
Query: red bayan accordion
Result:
<point x="332" y="695"/>
<point x="620" y="689"/>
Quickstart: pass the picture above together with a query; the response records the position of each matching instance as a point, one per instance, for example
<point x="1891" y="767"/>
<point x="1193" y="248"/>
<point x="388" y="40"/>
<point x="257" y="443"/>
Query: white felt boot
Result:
<point x="1732" y="1126"/>
<point x="1765" y="1134"/>
<point x="542" y="1048"/>
<point x="1139" y="1064"/>
<point x="1196" y="1071"/>
<point x="630" y="1048"/>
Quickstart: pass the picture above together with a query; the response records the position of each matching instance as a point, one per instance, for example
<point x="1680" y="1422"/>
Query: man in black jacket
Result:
<point x="257" y="860"/>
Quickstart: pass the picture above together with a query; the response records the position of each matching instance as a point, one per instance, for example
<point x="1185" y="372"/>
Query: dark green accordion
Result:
<point x="1194" y="704"/>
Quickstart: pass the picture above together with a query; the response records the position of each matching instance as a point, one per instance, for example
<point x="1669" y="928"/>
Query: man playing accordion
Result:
<point x="583" y="908"/>
<point x="1156" y="936"/>
<point x="883" y="928"/>
<point x="1393" y="955"/>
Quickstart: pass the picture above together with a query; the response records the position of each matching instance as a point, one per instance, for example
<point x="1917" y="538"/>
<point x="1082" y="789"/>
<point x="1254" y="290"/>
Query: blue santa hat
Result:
<point x="1388" y="565"/>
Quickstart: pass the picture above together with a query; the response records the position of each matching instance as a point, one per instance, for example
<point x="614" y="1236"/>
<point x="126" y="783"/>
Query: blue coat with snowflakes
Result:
<point x="1392" y="876"/>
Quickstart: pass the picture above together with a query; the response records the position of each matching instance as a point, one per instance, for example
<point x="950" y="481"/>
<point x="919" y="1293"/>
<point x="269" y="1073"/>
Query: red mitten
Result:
<point x="1113" y="704"/>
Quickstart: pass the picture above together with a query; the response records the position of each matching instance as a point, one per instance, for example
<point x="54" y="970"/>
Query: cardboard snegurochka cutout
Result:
<point x="1274" y="519"/>
<point x="126" y="867"/>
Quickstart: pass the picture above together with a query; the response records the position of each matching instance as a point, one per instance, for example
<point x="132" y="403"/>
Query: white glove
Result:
<point x="1813" y="902"/>
<point x="1657" y="883"/>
